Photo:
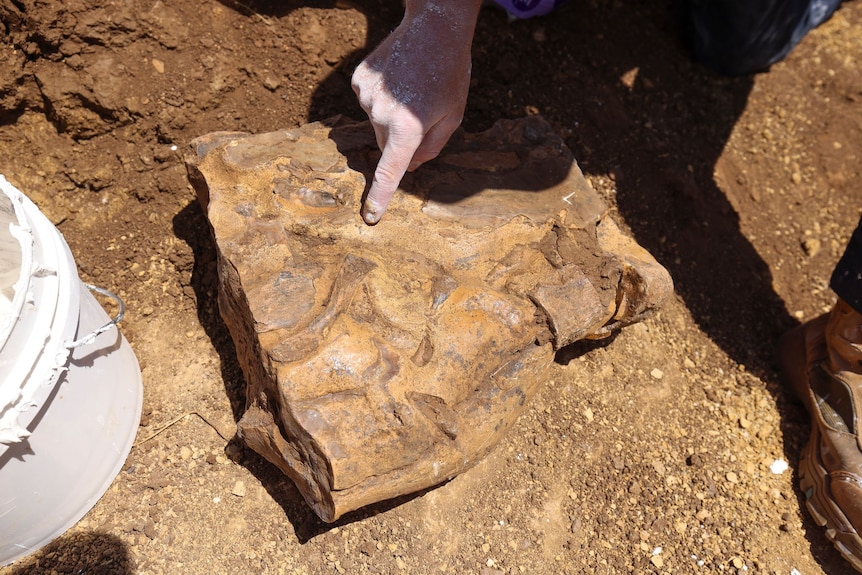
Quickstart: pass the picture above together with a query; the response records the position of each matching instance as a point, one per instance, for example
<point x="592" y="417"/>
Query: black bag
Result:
<point x="735" y="37"/>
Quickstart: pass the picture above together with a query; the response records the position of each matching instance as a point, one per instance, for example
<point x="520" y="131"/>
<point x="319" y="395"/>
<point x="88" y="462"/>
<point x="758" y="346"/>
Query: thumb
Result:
<point x="393" y="164"/>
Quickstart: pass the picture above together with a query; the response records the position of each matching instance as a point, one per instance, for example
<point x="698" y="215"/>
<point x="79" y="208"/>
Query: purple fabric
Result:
<point x="529" y="8"/>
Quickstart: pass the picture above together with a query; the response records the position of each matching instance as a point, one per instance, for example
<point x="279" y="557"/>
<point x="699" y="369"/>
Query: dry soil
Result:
<point x="650" y="453"/>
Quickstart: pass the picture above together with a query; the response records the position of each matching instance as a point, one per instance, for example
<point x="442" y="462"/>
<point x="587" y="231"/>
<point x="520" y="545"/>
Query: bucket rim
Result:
<point x="22" y="232"/>
<point x="35" y="355"/>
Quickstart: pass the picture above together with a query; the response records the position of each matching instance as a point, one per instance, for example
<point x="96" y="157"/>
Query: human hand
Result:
<point x="413" y="87"/>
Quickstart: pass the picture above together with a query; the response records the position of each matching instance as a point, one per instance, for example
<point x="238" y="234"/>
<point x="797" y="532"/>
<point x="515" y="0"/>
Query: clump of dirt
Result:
<point x="650" y="453"/>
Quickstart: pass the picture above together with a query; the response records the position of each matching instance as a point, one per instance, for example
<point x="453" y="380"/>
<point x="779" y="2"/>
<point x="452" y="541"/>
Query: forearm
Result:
<point x="457" y="16"/>
<point x="459" y="10"/>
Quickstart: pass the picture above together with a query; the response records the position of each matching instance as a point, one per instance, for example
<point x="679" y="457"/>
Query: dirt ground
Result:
<point x="650" y="453"/>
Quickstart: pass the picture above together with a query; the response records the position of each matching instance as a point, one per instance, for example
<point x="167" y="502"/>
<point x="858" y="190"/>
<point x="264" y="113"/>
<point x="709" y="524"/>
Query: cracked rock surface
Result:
<point x="384" y="360"/>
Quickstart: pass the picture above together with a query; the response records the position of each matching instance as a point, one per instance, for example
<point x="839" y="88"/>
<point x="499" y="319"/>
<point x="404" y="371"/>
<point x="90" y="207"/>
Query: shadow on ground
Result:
<point x="92" y="553"/>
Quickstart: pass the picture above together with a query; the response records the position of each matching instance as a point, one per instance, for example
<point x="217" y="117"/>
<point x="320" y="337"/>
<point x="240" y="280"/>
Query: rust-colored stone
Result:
<point x="383" y="360"/>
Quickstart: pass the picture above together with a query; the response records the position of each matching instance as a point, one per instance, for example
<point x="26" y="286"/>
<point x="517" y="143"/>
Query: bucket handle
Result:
<point x="87" y="339"/>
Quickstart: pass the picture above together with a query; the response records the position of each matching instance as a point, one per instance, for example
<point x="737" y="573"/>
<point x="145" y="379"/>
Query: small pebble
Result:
<point x="811" y="247"/>
<point x="656" y="373"/>
<point x="271" y="84"/>
<point x="239" y="489"/>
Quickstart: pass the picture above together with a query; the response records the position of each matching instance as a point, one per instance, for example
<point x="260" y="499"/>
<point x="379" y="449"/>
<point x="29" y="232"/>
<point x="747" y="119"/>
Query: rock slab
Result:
<point x="383" y="360"/>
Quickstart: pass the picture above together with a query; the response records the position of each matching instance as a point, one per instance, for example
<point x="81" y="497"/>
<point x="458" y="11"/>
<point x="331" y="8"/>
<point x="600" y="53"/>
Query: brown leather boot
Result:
<point x="822" y="362"/>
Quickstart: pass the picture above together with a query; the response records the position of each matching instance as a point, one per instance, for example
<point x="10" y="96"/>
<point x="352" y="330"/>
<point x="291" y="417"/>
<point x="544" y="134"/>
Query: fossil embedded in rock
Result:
<point x="380" y="361"/>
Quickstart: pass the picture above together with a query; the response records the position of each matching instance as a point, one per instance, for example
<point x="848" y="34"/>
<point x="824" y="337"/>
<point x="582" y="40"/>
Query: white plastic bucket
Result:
<point x="70" y="385"/>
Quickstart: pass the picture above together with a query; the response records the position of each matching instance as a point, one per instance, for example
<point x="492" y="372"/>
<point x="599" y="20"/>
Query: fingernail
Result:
<point x="371" y="216"/>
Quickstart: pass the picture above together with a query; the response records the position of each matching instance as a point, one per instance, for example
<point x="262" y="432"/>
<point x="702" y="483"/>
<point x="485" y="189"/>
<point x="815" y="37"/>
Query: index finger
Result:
<point x="396" y="157"/>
